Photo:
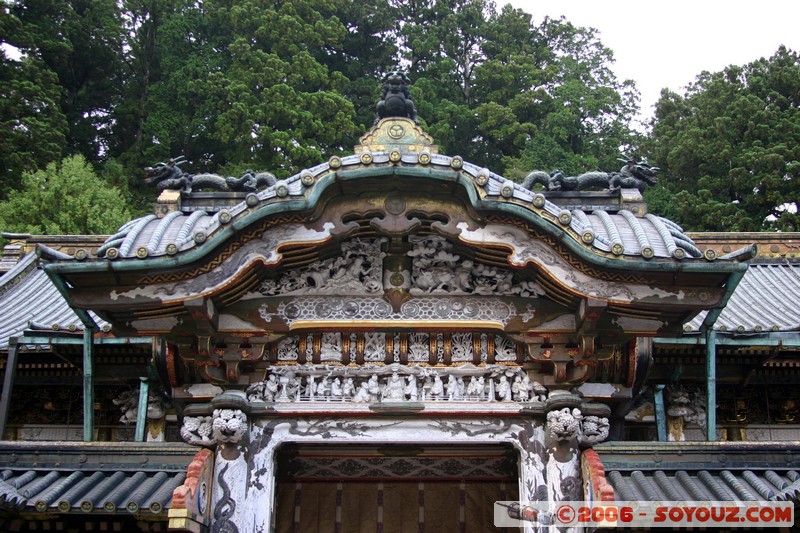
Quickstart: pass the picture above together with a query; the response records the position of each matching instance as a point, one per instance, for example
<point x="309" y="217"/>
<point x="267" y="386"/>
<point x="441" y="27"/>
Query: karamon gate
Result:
<point x="393" y="340"/>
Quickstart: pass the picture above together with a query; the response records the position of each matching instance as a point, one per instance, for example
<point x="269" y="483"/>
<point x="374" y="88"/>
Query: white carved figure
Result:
<point x="362" y="394"/>
<point x="374" y="388"/>
<point x="452" y="388"/>
<point x="503" y="390"/>
<point x="349" y="388"/>
<point x="472" y="387"/>
<point x="526" y="388"/>
<point x="288" y="349"/>
<point x="411" y="389"/>
<point x="196" y="430"/>
<point x="270" y="388"/>
<point x="394" y="389"/>
<point x="311" y="387"/>
<point x="331" y="347"/>
<point x="481" y="388"/>
<point x="263" y="391"/>
<point x="437" y="389"/>
<point x="229" y="425"/>
<point x="517" y="388"/>
<point x="564" y="424"/>
<point x="336" y="389"/>
<point x="128" y="403"/>
<point x="324" y="389"/>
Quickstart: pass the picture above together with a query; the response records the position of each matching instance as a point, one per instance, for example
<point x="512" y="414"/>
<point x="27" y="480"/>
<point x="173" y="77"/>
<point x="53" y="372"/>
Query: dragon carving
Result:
<point x="633" y="175"/>
<point x="170" y="176"/>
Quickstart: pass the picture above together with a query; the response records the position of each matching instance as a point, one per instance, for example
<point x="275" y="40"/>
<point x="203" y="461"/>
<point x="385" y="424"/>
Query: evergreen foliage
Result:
<point x="281" y="85"/>
<point x="66" y="198"/>
<point x="730" y="148"/>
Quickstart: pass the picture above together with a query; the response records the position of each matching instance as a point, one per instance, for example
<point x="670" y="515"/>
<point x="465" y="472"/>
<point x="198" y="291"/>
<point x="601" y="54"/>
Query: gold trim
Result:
<point x="422" y="325"/>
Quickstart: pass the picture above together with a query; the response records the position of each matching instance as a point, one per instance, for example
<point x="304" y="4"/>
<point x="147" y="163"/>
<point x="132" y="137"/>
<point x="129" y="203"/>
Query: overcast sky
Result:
<point x="668" y="43"/>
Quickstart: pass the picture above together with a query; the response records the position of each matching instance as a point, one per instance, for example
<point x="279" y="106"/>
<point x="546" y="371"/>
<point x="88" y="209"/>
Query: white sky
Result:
<point x="667" y="43"/>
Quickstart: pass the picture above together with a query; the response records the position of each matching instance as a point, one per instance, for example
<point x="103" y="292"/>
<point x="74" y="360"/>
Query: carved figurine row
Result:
<point x="170" y="176"/>
<point x="633" y="175"/>
<point x="286" y="385"/>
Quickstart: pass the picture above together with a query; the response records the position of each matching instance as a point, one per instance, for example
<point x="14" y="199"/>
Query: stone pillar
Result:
<point x="561" y="447"/>
<point x="229" y="428"/>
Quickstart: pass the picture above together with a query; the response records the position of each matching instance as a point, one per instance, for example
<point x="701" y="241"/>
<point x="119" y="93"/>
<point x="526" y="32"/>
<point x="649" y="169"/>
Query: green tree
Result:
<point x="513" y="95"/>
<point x="81" y="42"/>
<point x="279" y="105"/>
<point x="33" y="127"/>
<point x="65" y="198"/>
<point x="32" y="124"/>
<point x="560" y="82"/>
<point x="730" y="147"/>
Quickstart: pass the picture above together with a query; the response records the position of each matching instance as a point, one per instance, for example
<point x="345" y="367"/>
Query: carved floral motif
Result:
<point x="564" y="424"/>
<point x="567" y="424"/>
<point x="225" y="425"/>
<point x="594" y="430"/>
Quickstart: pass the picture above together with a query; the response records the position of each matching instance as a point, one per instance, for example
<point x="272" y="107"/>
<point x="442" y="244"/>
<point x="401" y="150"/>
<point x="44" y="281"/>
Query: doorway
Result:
<point x="392" y="488"/>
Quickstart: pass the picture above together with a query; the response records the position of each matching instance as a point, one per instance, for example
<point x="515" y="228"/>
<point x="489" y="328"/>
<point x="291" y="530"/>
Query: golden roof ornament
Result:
<point x="396" y="127"/>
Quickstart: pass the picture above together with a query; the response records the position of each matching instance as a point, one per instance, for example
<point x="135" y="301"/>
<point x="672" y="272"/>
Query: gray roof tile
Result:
<point x="27" y="295"/>
<point x="704" y="485"/>
<point x="765" y="300"/>
<point x="87" y="491"/>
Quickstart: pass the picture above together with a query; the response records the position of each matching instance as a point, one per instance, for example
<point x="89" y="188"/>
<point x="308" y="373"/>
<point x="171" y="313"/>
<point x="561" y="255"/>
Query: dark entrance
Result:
<point x="392" y="488"/>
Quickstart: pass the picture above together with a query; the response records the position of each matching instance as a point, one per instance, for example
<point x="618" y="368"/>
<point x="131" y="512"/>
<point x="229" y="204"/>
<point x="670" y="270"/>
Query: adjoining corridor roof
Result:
<point x="29" y="300"/>
<point x="98" y="477"/>
<point x="764" y="301"/>
<point x="700" y="471"/>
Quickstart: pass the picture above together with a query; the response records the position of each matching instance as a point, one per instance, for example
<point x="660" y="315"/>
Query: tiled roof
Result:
<point x="87" y="491"/>
<point x="702" y="471"/>
<point x="620" y="232"/>
<point x="705" y="485"/>
<point x="28" y="296"/>
<point x="96" y="477"/>
<point x="765" y="300"/>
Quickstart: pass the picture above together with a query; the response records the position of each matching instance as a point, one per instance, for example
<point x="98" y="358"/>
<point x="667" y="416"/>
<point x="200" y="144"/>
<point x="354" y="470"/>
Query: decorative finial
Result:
<point x="395" y="98"/>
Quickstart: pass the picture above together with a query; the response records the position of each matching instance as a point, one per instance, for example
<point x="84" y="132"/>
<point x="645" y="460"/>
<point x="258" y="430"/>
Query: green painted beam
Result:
<point x="711" y="385"/>
<point x="141" y="412"/>
<point x="108" y="341"/>
<point x="88" y="386"/>
<point x="791" y="340"/>
<point x="661" y="414"/>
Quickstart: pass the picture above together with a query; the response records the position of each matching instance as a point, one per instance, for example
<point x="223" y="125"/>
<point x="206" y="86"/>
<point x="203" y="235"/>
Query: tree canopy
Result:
<point x="730" y="148"/>
<point x="66" y="198"/>
<point x="283" y="85"/>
